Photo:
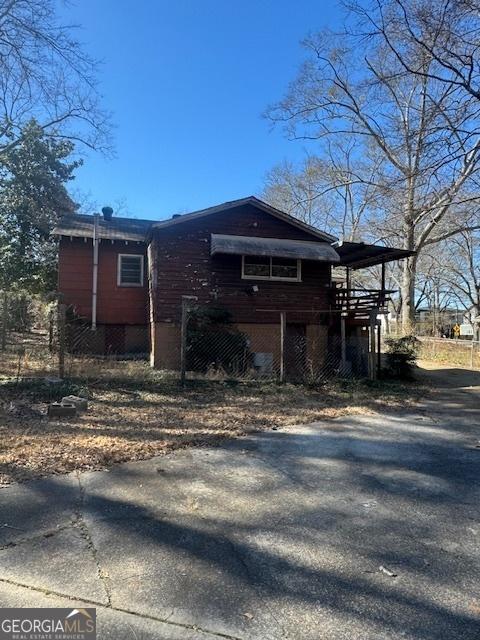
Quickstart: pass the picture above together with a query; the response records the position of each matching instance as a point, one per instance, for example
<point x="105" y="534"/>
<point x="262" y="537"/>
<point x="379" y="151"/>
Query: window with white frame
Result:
<point x="130" y="270"/>
<point x="270" y="268"/>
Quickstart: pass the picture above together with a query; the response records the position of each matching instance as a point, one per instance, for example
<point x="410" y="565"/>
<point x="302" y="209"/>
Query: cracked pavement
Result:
<point x="275" y="535"/>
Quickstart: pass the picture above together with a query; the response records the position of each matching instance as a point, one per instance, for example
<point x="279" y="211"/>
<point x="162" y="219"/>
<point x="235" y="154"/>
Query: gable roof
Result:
<point x="259" y="204"/>
<point x="352" y="254"/>
<point x="81" y="226"/>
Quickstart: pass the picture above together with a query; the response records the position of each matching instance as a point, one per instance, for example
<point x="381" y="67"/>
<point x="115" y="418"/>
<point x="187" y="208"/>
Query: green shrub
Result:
<point x="214" y="343"/>
<point x="40" y="390"/>
<point x="401" y="357"/>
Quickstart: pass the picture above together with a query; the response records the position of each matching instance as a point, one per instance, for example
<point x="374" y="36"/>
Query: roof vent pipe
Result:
<point x="107" y="213"/>
<point x="176" y="215"/>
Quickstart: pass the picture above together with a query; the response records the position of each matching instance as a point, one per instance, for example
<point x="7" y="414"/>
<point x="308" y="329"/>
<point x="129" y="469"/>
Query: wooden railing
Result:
<point x="361" y="301"/>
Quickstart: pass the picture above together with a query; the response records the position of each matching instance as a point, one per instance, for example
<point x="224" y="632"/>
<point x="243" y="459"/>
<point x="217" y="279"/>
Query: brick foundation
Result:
<point x="165" y="340"/>
<point x="263" y="338"/>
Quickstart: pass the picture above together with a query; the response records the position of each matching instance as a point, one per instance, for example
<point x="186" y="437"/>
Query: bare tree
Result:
<point x="447" y="32"/>
<point x="45" y="75"/>
<point x="325" y="191"/>
<point x="413" y="130"/>
<point x="433" y="291"/>
<point x="462" y="270"/>
<point x="298" y="190"/>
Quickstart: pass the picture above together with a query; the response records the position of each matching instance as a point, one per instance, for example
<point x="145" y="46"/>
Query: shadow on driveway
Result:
<point x="277" y="534"/>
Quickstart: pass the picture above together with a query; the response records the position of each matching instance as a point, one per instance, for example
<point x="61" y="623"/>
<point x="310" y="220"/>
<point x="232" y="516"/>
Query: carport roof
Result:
<point x="358" y="254"/>
<point x="349" y="254"/>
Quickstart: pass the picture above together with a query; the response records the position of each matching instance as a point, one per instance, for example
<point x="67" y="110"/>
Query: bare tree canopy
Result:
<point x="416" y="137"/>
<point x="327" y="191"/>
<point x="45" y="75"/>
<point x="461" y="270"/>
<point x="447" y="32"/>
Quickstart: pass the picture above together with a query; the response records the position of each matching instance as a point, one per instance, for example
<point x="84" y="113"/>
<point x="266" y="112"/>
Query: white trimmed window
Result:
<point x="130" y="270"/>
<point x="269" y="268"/>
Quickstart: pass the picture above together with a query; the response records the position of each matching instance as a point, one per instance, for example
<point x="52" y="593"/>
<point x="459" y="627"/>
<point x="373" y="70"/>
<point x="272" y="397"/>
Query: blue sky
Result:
<point x="187" y="82"/>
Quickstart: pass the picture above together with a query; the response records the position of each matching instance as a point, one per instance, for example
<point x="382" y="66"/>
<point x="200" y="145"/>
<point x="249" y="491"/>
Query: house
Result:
<point x="435" y="316"/>
<point x="129" y="279"/>
<point x="432" y="321"/>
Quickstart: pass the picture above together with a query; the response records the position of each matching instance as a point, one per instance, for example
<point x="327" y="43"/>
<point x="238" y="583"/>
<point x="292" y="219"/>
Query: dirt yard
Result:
<point x="136" y="413"/>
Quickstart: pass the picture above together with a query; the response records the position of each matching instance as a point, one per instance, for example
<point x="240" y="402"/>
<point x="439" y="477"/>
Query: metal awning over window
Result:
<point x="281" y="248"/>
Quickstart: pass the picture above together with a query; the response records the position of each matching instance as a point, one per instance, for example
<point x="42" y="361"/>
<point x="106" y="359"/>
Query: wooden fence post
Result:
<point x="343" y="343"/>
<point x="61" y="314"/>
<point x="183" y="341"/>
<point x="51" y="324"/>
<point x="186" y="302"/>
<point x="283" y="326"/>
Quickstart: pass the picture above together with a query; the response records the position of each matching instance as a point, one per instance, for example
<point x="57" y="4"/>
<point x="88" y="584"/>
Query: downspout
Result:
<point x="95" y="271"/>
<point x="152" y="285"/>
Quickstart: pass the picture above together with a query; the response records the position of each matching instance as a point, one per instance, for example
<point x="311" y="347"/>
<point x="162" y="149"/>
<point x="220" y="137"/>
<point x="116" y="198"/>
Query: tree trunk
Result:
<point x="4" y="320"/>
<point x="408" y="295"/>
<point x="409" y="264"/>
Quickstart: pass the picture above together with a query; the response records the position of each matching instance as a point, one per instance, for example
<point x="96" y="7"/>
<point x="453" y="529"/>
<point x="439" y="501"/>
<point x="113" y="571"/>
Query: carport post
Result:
<point x="372" y="364"/>
<point x="283" y="327"/>
<point x="379" y="348"/>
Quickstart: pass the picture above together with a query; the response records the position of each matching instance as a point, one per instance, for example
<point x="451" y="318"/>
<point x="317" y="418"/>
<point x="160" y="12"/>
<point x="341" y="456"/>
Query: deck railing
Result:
<point x="362" y="301"/>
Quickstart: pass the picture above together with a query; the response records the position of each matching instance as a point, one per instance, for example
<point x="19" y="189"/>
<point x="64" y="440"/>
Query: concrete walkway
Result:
<point x="277" y="535"/>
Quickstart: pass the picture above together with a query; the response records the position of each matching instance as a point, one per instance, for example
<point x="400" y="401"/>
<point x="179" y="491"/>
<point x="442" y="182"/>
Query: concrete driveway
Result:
<point x="277" y="535"/>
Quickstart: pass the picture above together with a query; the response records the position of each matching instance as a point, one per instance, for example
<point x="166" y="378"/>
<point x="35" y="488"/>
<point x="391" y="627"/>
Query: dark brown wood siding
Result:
<point x="115" y="305"/>
<point x="184" y="267"/>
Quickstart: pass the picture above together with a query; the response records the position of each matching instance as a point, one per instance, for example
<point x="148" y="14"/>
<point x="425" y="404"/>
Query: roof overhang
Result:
<point x="123" y="229"/>
<point x="275" y="247"/>
<point x="357" y="255"/>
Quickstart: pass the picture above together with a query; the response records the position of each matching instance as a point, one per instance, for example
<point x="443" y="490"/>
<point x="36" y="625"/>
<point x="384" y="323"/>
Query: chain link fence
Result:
<point x="427" y="329"/>
<point x="440" y="329"/>
<point x="52" y="343"/>
<point x="282" y="349"/>
<point x="55" y="344"/>
<point x="27" y="336"/>
<point x="451" y="351"/>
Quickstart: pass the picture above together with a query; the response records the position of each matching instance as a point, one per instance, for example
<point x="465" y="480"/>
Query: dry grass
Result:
<point x="27" y="355"/>
<point x="131" y="424"/>
<point x="451" y="352"/>
<point x="136" y="413"/>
